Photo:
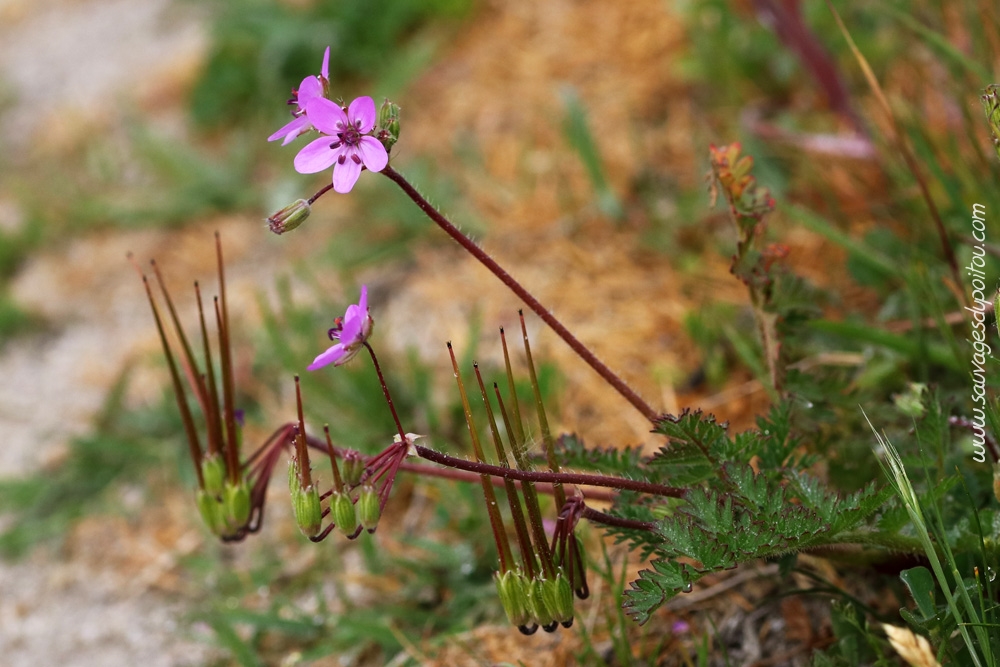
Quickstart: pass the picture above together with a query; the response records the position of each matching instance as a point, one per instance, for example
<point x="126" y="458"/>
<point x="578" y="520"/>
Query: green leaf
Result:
<point x="921" y="586"/>
<point x="656" y="586"/>
<point x="572" y="453"/>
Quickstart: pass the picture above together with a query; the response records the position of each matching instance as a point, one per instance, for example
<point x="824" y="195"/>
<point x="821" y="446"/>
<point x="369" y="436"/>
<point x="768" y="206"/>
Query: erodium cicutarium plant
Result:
<point x="707" y="500"/>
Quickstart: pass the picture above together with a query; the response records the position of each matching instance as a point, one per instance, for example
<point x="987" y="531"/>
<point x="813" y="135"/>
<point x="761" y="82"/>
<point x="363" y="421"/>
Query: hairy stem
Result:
<point x="551" y="477"/>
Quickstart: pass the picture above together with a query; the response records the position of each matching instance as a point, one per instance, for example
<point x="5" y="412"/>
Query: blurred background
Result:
<point x="568" y="137"/>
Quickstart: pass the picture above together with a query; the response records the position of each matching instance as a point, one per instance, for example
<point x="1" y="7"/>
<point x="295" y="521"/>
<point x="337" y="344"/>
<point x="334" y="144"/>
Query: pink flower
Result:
<point x="348" y="146"/>
<point x="311" y="88"/>
<point x="350" y="332"/>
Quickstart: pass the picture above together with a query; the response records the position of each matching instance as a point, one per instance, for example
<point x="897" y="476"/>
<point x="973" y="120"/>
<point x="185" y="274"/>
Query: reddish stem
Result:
<point x="552" y="477"/>
<point x="602" y="369"/>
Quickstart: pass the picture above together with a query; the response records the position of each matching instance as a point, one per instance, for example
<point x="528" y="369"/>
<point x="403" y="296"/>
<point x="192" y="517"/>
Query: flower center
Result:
<point x="350" y="135"/>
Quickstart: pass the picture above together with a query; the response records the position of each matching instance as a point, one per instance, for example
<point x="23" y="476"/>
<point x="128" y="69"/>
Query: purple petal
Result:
<point x="317" y="156"/>
<point x="325" y="70"/>
<point x="309" y="89"/>
<point x="290" y="130"/>
<point x="362" y="114"/>
<point x="345" y="174"/>
<point x="353" y="321"/>
<point x="331" y="356"/>
<point x="363" y="301"/>
<point x="373" y="153"/>
<point x="325" y="115"/>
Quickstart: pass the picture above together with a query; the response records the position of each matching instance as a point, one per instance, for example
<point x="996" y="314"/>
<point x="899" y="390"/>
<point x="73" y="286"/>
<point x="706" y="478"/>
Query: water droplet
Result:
<point x="991" y="574"/>
<point x="688" y="587"/>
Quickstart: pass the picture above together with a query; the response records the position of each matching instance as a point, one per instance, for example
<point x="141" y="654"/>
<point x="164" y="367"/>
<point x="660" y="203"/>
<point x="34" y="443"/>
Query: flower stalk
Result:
<point x="486" y="260"/>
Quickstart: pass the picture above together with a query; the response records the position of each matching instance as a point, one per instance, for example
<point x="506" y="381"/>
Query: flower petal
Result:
<point x="331" y="356"/>
<point x="325" y="115"/>
<point x="325" y="70"/>
<point x="290" y="130"/>
<point x="373" y="153"/>
<point x="362" y="114"/>
<point x="317" y="155"/>
<point x="309" y="89"/>
<point x="345" y="174"/>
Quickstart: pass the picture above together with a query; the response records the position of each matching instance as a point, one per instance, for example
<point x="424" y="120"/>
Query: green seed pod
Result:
<point x="344" y="515"/>
<point x="308" y="513"/>
<point x="211" y="512"/>
<point x="213" y="473"/>
<point x="512" y="589"/>
<point x="236" y="504"/>
<point x="368" y="508"/>
<point x="544" y="615"/>
<point x="353" y="468"/>
<point x="559" y="598"/>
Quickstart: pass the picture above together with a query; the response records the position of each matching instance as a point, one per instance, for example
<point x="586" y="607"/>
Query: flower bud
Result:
<point x="343" y="513"/>
<point x="512" y="587"/>
<point x="353" y="468"/>
<point x="213" y="472"/>
<point x="289" y="217"/>
<point x="236" y="504"/>
<point x="368" y="508"/>
<point x="211" y="512"/>
<point x="388" y="124"/>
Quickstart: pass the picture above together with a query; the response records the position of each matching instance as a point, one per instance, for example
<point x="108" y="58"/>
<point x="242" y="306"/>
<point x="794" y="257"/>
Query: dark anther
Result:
<point x="356" y="159"/>
<point x="528" y="629"/>
<point x="551" y="627"/>
<point x="568" y="624"/>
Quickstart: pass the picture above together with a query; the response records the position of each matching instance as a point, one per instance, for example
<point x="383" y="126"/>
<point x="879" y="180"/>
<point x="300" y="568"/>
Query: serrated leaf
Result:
<point x="573" y="453"/>
<point x="654" y="587"/>
<point x="693" y="427"/>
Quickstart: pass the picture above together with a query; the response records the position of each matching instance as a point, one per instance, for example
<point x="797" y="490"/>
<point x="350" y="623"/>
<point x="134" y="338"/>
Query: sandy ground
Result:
<point x="64" y="62"/>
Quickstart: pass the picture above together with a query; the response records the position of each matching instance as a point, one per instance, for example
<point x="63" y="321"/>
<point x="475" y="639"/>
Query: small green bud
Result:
<point x="211" y="512"/>
<point x="368" y="508"/>
<point x="289" y="217"/>
<point x="213" y="472"/>
<point x="236" y="504"/>
<point x="353" y="468"/>
<point x="344" y="515"/>
<point x="512" y="588"/>
<point x="388" y="124"/>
